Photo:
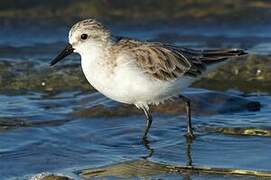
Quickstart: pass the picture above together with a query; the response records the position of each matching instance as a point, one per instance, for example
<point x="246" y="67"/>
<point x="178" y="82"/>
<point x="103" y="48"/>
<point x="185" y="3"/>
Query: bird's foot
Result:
<point x="145" y="140"/>
<point x="190" y="136"/>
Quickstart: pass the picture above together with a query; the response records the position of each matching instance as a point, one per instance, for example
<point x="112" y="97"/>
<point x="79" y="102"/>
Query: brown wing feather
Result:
<point x="167" y="62"/>
<point x="161" y="62"/>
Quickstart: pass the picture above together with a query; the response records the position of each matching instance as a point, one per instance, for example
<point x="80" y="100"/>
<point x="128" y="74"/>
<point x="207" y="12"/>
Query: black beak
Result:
<point x="67" y="51"/>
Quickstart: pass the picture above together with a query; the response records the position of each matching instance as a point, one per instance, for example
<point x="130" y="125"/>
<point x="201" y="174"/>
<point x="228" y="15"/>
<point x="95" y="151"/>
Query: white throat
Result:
<point x="93" y="60"/>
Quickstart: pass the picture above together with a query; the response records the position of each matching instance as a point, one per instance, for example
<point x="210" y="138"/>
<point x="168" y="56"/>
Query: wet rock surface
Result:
<point x="248" y="74"/>
<point x="48" y="176"/>
<point x="144" y="168"/>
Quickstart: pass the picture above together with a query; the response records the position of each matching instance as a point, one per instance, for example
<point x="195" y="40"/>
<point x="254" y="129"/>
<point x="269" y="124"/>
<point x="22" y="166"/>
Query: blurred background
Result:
<point x="68" y="11"/>
<point x="52" y="120"/>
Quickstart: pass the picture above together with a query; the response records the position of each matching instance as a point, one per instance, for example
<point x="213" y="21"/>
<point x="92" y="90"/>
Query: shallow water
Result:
<point x="45" y="130"/>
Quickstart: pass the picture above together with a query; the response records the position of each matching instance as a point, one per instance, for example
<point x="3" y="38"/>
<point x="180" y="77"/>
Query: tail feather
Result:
<point x="201" y="59"/>
<point x="215" y="56"/>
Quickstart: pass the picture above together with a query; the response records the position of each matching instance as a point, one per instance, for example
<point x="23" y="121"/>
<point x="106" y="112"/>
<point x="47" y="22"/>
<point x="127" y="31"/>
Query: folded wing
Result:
<point x="167" y="62"/>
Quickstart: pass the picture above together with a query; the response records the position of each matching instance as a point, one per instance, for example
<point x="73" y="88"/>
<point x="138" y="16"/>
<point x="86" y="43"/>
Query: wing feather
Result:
<point x="168" y="62"/>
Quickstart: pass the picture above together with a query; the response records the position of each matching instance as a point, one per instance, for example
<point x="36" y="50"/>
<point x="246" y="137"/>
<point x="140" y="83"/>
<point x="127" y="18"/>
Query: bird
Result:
<point x="140" y="73"/>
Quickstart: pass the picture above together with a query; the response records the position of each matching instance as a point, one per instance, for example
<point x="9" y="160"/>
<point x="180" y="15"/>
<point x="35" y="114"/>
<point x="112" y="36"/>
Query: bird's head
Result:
<point x="84" y="34"/>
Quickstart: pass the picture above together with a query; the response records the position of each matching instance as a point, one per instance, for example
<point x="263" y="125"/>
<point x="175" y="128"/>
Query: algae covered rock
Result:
<point x="250" y="73"/>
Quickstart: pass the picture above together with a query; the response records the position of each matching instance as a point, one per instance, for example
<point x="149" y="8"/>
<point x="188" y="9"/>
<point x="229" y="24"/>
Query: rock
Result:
<point x="145" y="168"/>
<point x="249" y="73"/>
<point x="48" y="176"/>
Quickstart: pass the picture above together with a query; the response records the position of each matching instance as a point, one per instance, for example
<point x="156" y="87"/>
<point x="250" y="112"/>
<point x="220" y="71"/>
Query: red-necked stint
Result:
<point x="140" y="73"/>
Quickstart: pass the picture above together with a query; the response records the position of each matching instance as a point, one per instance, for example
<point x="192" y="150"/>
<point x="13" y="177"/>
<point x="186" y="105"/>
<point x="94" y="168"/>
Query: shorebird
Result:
<point x="136" y="72"/>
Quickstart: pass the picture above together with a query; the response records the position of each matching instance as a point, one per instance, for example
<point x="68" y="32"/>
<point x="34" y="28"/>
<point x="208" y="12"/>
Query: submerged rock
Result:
<point x="240" y="131"/>
<point x="203" y="102"/>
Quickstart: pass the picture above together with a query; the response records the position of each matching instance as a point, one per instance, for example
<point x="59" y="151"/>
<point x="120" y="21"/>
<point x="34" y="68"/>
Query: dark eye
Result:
<point x="84" y="36"/>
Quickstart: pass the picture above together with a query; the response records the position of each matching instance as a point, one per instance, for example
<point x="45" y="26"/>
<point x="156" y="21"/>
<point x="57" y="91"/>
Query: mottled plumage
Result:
<point x="137" y="72"/>
<point x="168" y="62"/>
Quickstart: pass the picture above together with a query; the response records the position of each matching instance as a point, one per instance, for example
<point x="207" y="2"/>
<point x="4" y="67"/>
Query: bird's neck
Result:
<point x="96" y="55"/>
<point x="93" y="51"/>
<point x="97" y="66"/>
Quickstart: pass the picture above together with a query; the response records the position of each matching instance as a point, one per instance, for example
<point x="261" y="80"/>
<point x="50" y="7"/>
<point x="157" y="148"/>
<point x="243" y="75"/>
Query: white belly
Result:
<point x="127" y="84"/>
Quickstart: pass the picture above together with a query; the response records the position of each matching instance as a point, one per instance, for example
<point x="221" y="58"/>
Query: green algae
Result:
<point x="24" y="76"/>
<point x="249" y="74"/>
<point x="241" y="131"/>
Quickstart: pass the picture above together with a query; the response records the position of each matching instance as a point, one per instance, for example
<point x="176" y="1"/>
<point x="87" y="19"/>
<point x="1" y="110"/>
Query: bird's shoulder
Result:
<point x="124" y="43"/>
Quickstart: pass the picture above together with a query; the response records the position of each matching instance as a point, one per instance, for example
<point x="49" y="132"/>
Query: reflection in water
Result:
<point x="146" y="143"/>
<point x="146" y="168"/>
<point x="188" y="156"/>
<point x="188" y="146"/>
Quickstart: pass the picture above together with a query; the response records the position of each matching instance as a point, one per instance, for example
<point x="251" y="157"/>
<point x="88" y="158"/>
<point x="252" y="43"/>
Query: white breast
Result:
<point x="94" y="69"/>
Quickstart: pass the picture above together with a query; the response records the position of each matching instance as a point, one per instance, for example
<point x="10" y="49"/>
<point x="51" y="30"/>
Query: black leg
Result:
<point x="148" y="122"/>
<point x="189" y="122"/>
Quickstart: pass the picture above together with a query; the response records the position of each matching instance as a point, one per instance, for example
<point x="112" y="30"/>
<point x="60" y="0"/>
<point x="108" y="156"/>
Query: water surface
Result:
<point x="56" y="125"/>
